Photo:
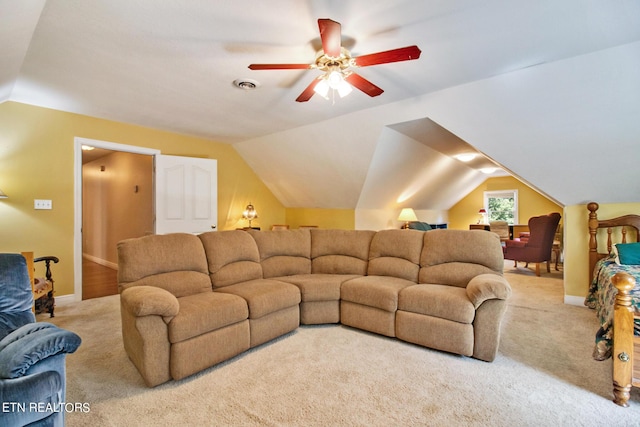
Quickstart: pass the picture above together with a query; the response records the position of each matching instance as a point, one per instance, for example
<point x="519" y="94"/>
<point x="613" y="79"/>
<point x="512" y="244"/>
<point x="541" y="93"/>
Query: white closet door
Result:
<point x="186" y="194"/>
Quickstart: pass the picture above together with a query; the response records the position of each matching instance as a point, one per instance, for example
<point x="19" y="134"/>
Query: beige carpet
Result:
<point x="335" y="375"/>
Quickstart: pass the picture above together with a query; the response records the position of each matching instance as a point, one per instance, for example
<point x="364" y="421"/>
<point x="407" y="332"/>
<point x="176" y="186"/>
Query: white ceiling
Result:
<point x="544" y="88"/>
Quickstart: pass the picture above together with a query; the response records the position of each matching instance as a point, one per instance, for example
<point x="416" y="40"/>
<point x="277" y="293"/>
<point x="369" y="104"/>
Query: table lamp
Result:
<point x="407" y="215"/>
<point x="250" y="213"/>
<point x="482" y="212"/>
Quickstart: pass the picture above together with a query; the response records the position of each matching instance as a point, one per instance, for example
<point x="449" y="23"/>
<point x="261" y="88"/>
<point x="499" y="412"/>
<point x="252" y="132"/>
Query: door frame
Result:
<point x="77" y="227"/>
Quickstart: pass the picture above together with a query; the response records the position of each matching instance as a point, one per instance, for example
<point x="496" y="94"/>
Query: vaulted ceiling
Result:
<point x="546" y="89"/>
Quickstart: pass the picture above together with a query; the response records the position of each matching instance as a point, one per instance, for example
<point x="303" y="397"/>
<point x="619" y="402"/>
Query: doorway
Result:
<point x="117" y="204"/>
<point x="114" y="201"/>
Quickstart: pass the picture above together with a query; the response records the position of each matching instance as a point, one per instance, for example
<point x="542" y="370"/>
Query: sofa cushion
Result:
<point x="232" y="257"/>
<point x="283" y="252"/>
<point x="454" y="257"/>
<point x="175" y="262"/>
<point x="340" y="251"/>
<point x="264" y="296"/>
<point x="374" y="291"/>
<point x="396" y="253"/>
<point x="204" y="313"/>
<point x="318" y="287"/>
<point x="443" y="301"/>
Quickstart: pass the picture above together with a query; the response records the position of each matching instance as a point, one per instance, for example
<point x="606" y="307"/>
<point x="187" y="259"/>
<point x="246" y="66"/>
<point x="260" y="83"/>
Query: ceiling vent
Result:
<point x="246" y="84"/>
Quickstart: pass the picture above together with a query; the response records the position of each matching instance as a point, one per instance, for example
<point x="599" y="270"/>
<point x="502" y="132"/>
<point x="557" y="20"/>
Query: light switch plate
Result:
<point x="42" y="204"/>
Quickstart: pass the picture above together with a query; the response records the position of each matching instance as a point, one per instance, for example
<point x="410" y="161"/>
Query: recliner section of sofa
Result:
<point x="189" y="302"/>
<point x="470" y="315"/>
<point x="370" y="302"/>
<point x="173" y="325"/>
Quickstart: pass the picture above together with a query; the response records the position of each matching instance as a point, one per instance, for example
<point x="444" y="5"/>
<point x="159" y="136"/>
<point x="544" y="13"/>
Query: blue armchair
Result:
<point x="32" y="355"/>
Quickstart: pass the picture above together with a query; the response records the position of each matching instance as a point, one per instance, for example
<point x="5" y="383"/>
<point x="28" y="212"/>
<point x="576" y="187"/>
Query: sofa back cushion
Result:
<point x="340" y="251"/>
<point x="232" y="257"/>
<point x="453" y="257"/>
<point x="174" y="262"/>
<point x="15" y="284"/>
<point x="283" y="252"/>
<point x="396" y="253"/>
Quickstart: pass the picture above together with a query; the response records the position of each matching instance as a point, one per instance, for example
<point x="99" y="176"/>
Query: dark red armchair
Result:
<point x="538" y="248"/>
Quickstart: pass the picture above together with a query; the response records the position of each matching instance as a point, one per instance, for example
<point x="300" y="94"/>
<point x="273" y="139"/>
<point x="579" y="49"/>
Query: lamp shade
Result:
<point x="407" y="214"/>
<point x="482" y="212"/>
<point x="2" y="195"/>
<point x="249" y="212"/>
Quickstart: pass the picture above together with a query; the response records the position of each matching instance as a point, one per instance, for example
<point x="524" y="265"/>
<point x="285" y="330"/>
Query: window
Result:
<point x="502" y="205"/>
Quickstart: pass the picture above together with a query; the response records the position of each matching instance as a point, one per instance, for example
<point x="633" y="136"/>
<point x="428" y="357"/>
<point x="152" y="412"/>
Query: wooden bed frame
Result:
<point x="626" y="347"/>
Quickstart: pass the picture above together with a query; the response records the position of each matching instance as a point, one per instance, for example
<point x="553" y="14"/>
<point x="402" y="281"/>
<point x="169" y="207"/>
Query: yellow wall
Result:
<point x="576" y="244"/>
<point x="323" y="218"/>
<point x="37" y="162"/>
<point x="530" y="202"/>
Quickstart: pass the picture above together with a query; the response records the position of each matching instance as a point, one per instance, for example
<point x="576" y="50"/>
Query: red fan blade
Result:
<point x="330" y="34"/>
<point x="308" y="92"/>
<point x="363" y="84"/>
<point x="279" y="66"/>
<point x="395" y="55"/>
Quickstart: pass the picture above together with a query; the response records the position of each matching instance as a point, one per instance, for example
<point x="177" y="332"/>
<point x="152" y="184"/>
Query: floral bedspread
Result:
<point x="601" y="297"/>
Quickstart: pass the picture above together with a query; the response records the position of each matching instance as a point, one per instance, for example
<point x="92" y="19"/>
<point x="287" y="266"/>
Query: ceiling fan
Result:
<point x="336" y="62"/>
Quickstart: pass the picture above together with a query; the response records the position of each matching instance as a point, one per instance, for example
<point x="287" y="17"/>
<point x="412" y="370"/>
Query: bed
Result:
<point x="614" y="296"/>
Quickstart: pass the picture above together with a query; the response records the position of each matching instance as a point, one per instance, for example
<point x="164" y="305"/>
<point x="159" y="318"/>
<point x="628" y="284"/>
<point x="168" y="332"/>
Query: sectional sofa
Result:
<point x="189" y="301"/>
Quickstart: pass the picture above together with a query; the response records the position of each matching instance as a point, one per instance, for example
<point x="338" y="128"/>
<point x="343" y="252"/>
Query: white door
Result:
<point x="186" y="194"/>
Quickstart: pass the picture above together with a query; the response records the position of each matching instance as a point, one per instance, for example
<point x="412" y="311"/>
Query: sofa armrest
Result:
<point x="487" y="286"/>
<point x="150" y="300"/>
<point x="41" y="387"/>
<point x="31" y="344"/>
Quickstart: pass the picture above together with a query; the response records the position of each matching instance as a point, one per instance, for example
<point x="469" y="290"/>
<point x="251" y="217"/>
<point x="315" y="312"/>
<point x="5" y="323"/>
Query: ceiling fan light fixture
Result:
<point x="322" y="88"/>
<point x="344" y="89"/>
<point x="333" y="80"/>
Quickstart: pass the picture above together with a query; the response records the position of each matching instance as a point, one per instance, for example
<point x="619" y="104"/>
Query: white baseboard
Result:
<point x="66" y="299"/>
<point x="574" y="300"/>
<point x="100" y="261"/>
